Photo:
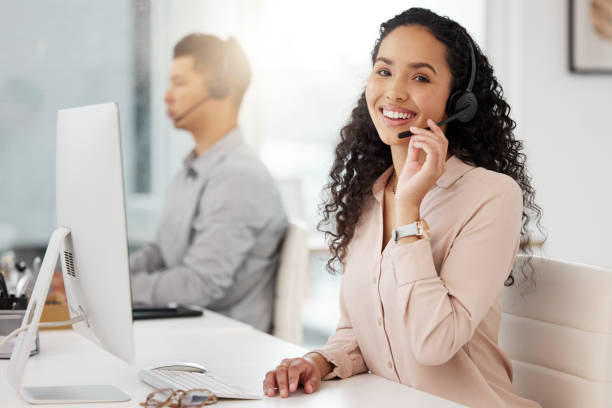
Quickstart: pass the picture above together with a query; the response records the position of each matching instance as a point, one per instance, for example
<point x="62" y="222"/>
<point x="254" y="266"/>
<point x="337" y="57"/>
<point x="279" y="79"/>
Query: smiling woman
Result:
<point x="426" y="228"/>
<point x="419" y="80"/>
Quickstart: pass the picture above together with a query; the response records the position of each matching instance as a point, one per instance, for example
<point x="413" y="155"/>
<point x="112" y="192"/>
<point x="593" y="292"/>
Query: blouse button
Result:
<point x="390" y="364"/>
<point x="374" y="280"/>
<point x="379" y="321"/>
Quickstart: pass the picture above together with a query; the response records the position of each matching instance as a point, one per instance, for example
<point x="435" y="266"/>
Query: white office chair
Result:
<point x="559" y="334"/>
<point x="290" y="283"/>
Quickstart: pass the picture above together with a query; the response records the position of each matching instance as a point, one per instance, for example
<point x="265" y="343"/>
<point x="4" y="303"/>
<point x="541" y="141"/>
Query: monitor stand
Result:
<point x="25" y="342"/>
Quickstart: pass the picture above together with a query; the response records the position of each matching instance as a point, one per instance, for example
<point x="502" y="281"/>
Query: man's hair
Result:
<point x="223" y="59"/>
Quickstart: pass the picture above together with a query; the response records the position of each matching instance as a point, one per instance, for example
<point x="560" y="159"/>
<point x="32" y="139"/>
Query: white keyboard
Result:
<point x="185" y="376"/>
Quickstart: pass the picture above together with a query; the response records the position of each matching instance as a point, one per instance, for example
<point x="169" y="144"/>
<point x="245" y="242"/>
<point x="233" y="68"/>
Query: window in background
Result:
<point x="141" y="39"/>
<point x="58" y="55"/>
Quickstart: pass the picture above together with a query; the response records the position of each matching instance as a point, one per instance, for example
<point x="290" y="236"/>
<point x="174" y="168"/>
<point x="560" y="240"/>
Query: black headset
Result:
<point x="462" y="105"/>
<point x="463" y="102"/>
<point x="218" y="88"/>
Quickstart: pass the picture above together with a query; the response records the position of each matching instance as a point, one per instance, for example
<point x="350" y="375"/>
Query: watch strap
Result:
<point x="407" y="230"/>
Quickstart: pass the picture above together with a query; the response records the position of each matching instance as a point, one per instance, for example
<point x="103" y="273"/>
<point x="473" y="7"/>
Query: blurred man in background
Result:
<point x="223" y="222"/>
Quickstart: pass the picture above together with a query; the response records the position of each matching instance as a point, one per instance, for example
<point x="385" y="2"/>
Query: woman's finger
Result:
<point x="439" y="148"/>
<point x="428" y="139"/>
<point x="437" y="131"/>
<point x="311" y="383"/>
<point x="431" y="160"/>
<point x="269" y="384"/>
<point x="281" y="381"/>
<point x="434" y="145"/>
<point x="421" y="131"/>
<point x="413" y="152"/>
<point x="434" y="133"/>
<point x="293" y="375"/>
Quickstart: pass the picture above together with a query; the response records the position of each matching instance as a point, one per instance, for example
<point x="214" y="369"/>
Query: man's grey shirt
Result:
<point x="219" y="238"/>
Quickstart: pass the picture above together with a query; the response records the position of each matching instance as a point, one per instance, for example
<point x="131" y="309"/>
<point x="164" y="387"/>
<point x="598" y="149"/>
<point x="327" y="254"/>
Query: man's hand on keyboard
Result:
<point x="291" y="373"/>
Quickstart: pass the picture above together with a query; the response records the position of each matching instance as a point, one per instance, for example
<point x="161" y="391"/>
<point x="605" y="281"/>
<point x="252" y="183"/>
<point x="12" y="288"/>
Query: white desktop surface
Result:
<point x="231" y="349"/>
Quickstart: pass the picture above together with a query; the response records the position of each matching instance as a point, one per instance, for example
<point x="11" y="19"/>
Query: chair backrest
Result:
<point x="291" y="283"/>
<point x="559" y="334"/>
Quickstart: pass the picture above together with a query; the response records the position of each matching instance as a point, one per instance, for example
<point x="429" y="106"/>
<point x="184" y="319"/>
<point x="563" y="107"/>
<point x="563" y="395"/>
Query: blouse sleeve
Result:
<point x="442" y="310"/>
<point x="342" y="349"/>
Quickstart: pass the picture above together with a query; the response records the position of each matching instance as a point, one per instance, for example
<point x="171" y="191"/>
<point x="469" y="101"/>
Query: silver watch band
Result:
<point x="408" y="230"/>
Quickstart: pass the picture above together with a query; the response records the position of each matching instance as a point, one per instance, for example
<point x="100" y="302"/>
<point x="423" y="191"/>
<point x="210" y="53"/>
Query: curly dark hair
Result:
<point x="486" y="141"/>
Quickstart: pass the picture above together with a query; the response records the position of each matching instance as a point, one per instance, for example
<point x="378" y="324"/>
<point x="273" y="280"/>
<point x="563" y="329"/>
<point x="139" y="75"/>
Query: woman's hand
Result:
<point x="291" y="373"/>
<point x="417" y="178"/>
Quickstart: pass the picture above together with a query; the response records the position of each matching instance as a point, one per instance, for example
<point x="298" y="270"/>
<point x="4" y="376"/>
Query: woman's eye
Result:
<point x="383" y="72"/>
<point x="421" y="78"/>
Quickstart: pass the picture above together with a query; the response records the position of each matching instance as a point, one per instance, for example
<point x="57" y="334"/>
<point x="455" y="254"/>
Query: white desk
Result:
<point x="227" y="347"/>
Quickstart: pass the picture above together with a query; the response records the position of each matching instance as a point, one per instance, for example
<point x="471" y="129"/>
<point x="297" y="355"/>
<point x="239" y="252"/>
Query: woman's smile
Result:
<point x="396" y="116"/>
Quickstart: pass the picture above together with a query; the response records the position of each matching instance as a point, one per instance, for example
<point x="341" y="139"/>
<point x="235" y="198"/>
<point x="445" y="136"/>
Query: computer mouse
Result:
<point x="178" y="366"/>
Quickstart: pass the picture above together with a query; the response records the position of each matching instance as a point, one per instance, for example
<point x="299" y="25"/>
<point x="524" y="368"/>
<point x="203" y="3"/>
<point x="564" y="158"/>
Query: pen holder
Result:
<point x="14" y="303"/>
<point x="12" y="311"/>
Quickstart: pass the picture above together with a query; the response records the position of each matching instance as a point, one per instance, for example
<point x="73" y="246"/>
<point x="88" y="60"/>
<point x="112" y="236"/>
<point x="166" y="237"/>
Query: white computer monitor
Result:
<point x="91" y="241"/>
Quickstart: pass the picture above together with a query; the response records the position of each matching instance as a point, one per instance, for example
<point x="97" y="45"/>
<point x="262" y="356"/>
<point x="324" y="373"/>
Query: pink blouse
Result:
<point x="426" y="314"/>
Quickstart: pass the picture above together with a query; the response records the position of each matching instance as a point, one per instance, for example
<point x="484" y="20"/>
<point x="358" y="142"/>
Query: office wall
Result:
<point x="564" y="120"/>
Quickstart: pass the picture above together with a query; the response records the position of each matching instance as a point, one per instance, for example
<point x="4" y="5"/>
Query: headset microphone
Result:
<point x="193" y="107"/>
<point x="462" y="105"/>
<point x="217" y="89"/>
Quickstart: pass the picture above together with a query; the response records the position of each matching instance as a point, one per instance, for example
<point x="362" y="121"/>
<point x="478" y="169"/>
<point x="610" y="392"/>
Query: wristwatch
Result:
<point x="419" y="229"/>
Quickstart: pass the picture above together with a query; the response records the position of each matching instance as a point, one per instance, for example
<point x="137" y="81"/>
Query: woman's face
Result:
<point x="409" y="83"/>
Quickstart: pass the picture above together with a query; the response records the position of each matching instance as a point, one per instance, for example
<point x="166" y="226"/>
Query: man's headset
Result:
<point x="218" y="88"/>
<point x="462" y="104"/>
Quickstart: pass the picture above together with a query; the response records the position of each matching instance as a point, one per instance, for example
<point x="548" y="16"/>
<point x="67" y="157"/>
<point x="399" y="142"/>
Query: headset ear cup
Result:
<point x="218" y="88"/>
<point x="466" y="106"/>
<point x="452" y="101"/>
